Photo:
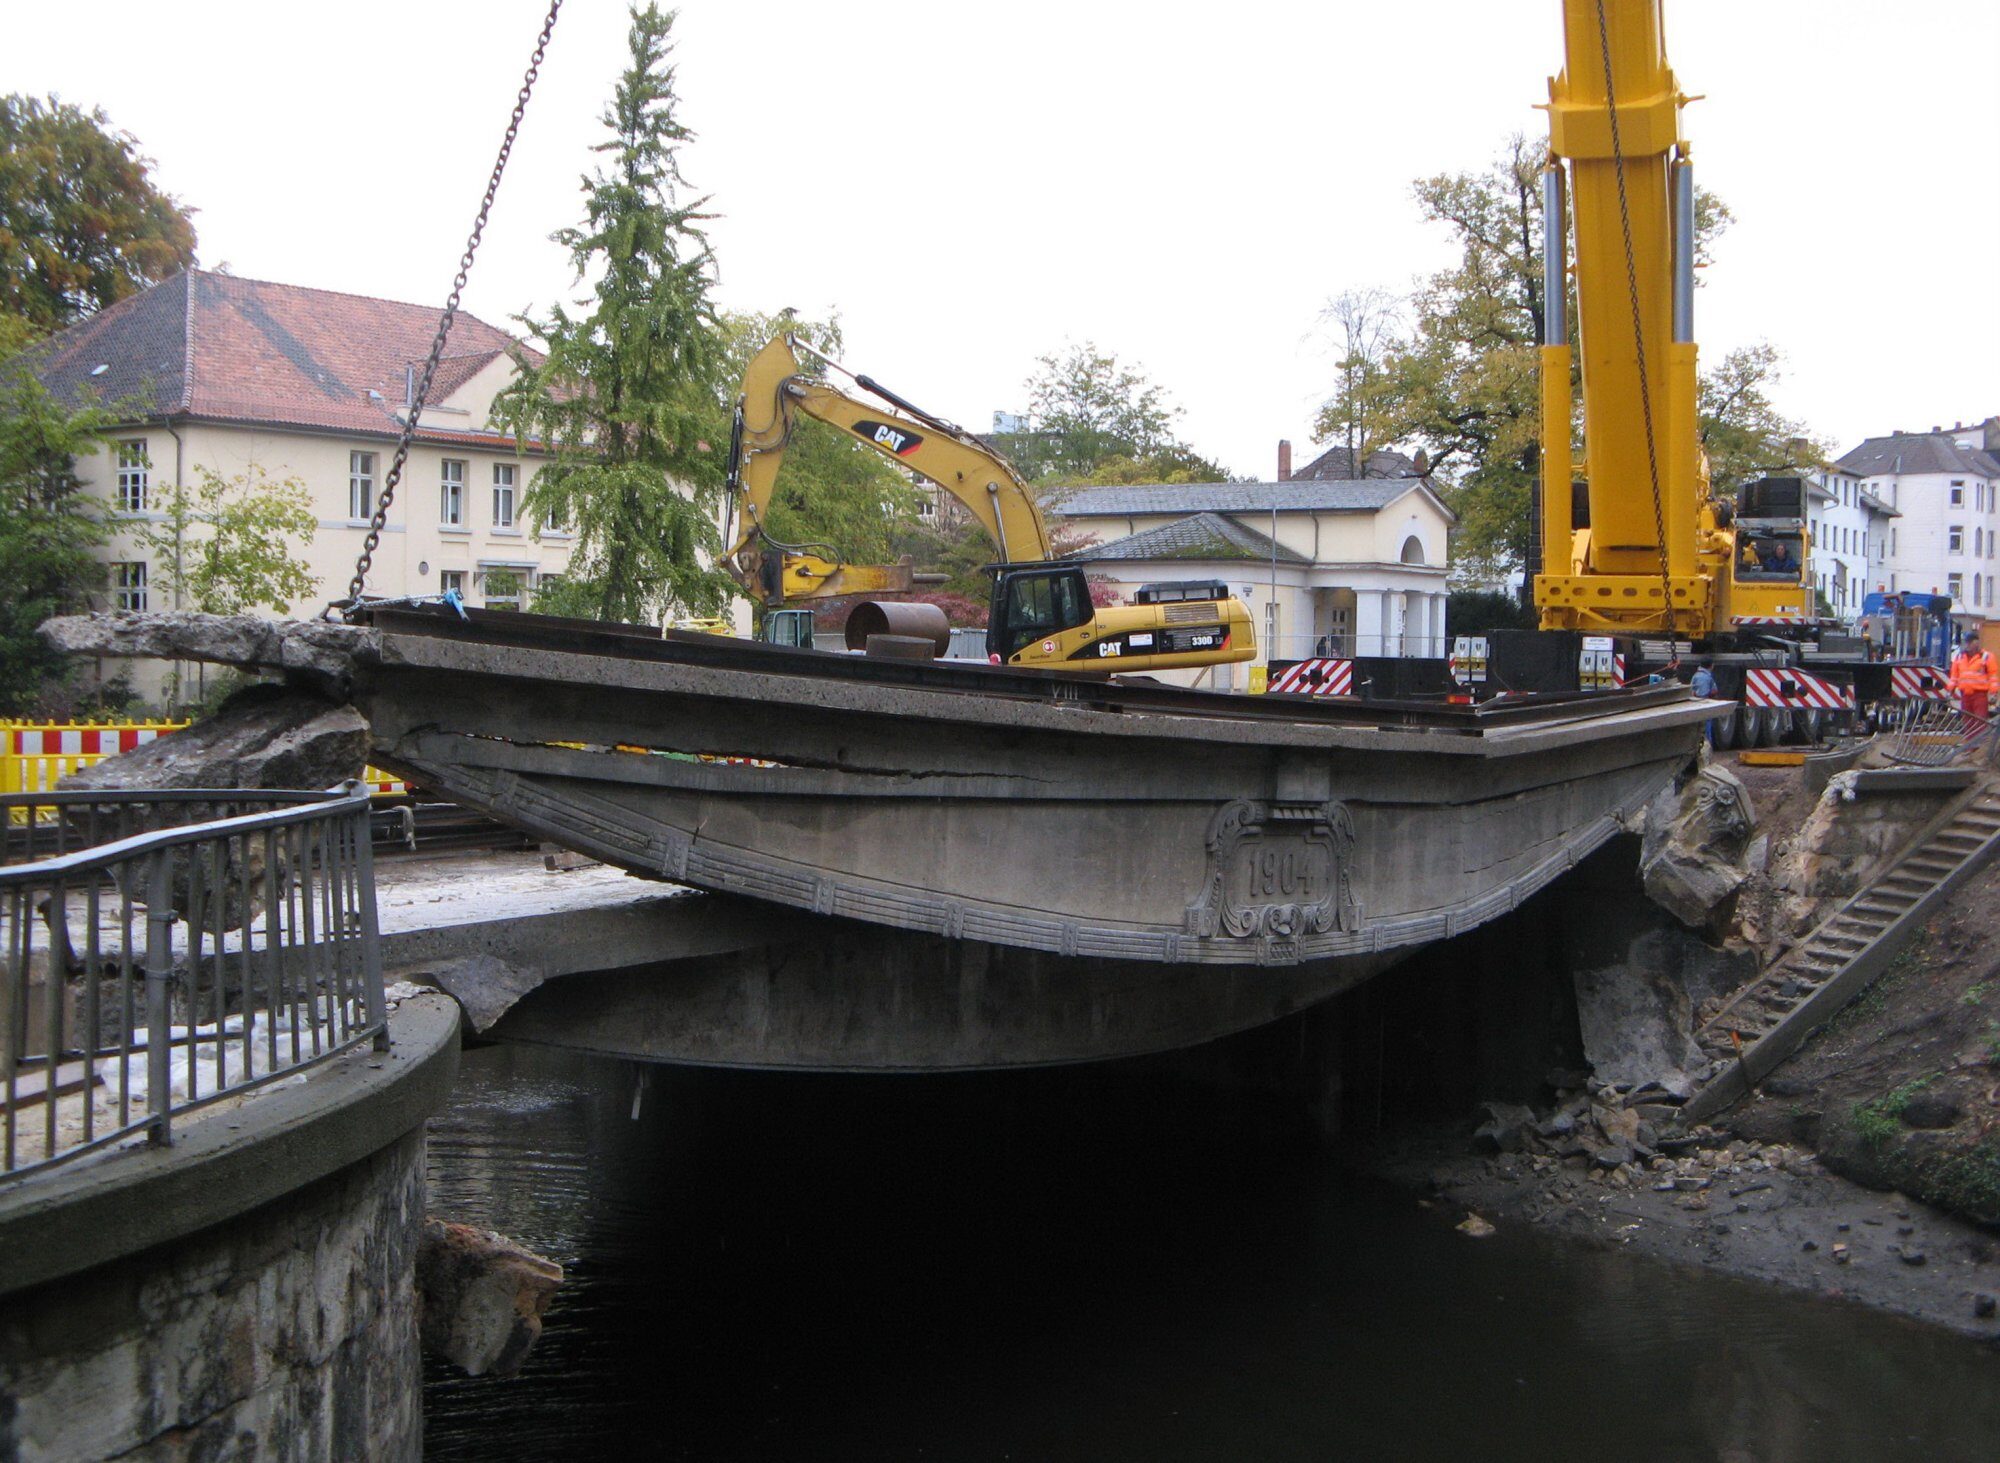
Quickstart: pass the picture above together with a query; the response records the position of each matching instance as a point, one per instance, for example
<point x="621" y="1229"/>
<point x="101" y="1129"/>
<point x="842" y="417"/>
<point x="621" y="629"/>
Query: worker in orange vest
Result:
<point x="1973" y="677"/>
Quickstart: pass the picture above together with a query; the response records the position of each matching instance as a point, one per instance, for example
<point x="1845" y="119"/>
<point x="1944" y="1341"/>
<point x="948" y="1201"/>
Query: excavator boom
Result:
<point x="775" y="391"/>
<point x="1041" y="614"/>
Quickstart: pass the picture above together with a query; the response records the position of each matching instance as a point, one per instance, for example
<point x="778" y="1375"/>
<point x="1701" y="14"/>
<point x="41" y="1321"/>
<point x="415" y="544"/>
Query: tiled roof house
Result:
<point x="1329" y="564"/>
<point x="209" y="370"/>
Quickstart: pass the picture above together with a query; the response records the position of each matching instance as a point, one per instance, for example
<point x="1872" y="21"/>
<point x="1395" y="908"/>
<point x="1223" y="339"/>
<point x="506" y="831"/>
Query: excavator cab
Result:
<point x="1034" y="602"/>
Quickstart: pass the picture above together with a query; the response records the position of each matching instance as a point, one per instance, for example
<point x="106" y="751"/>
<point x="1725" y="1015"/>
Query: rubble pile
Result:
<point x="1624" y="1136"/>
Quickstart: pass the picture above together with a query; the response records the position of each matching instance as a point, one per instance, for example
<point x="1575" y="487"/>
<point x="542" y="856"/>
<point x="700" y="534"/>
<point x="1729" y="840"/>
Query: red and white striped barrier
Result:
<point x="1916" y="683"/>
<point x="81" y="741"/>
<point x="1314" y="678"/>
<point x="1774" y="619"/>
<point x="1793" y="688"/>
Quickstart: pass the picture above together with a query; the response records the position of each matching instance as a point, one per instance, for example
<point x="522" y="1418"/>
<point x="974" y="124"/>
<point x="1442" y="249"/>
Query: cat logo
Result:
<point x="891" y="439"/>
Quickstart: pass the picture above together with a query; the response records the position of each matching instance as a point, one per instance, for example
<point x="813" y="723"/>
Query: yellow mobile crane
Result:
<point x="1041" y="612"/>
<point x="1647" y="548"/>
<point x="1642" y="568"/>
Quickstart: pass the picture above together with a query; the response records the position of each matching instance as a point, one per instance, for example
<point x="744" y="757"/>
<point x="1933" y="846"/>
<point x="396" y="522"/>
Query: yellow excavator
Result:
<point x="1041" y="612"/>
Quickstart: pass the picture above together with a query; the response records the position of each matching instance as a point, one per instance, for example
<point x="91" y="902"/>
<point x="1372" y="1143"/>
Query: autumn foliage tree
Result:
<point x="81" y="223"/>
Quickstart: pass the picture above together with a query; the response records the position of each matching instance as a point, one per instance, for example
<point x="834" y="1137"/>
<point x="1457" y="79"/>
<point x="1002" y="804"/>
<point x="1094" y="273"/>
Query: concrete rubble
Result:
<point x="265" y="736"/>
<point x="480" y="1297"/>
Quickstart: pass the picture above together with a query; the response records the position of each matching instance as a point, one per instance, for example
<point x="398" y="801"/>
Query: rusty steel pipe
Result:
<point x="888" y="617"/>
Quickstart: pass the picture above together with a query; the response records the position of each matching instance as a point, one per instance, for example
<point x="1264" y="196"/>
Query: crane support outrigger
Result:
<point x="1041" y="611"/>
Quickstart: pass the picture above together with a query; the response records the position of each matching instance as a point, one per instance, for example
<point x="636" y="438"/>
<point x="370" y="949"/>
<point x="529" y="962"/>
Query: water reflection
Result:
<point x="1098" y="1264"/>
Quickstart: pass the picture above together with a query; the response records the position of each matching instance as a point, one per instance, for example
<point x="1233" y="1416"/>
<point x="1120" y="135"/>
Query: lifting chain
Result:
<point x="396" y="463"/>
<point x="1638" y="331"/>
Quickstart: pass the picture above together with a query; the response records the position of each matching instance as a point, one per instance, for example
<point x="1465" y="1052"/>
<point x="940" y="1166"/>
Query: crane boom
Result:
<point x="1631" y="190"/>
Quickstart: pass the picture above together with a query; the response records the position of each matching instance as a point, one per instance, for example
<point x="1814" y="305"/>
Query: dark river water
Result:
<point x="1100" y="1264"/>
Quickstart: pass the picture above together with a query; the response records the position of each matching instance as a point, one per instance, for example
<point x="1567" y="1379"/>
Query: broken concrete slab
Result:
<point x="320" y="650"/>
<point x="480" y="1297"/>
<point x="265" y="736"/>
<point x="484" y="986"/>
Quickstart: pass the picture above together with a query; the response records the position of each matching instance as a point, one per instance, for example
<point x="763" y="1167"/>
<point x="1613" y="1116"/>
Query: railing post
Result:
<point x="159" y="997"/>
<point x="371" y="944"/>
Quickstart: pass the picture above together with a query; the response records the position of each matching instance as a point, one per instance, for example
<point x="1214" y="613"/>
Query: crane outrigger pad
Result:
<point x="1129" y="822"/>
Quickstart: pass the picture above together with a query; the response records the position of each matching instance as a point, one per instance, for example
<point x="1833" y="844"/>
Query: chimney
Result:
<point x="1284" y="461"/>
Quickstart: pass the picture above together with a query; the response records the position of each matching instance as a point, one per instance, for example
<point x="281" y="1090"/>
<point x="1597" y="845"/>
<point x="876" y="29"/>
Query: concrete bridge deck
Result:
<point x="1054" y="869"/>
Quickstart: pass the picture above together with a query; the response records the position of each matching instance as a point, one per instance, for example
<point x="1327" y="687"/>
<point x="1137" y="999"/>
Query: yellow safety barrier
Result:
<point x="35" y="755"/>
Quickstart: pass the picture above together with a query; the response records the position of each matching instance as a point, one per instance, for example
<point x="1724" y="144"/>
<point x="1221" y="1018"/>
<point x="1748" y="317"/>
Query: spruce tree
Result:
<point x="628" y="395"/>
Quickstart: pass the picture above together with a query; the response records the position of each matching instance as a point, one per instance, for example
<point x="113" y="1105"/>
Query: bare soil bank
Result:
<point x="1866" y="1168"/>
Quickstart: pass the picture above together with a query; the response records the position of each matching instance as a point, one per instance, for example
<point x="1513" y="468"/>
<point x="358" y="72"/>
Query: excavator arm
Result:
<point x="775" y="392"/>
<point x="1041" y="612"/>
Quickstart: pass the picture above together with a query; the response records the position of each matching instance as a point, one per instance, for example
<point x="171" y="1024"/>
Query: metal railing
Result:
<point x="162" y="950"/>
<point x="1937" y="734"/>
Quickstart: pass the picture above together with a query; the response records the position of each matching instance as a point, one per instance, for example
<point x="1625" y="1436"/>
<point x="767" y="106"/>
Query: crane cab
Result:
<point x="1768" y="583"/>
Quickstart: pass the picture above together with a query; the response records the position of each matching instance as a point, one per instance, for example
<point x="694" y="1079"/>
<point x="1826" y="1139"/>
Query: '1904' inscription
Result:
<point x="1277" y="872"/>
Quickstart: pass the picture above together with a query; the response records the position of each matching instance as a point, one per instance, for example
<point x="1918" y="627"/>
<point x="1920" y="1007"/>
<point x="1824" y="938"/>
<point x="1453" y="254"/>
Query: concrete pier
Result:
<point x="248" y="1292"/>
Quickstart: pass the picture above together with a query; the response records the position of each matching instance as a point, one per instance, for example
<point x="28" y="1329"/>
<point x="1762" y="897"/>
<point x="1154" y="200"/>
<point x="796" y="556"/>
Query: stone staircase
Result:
<point x="1770" y="1017"/>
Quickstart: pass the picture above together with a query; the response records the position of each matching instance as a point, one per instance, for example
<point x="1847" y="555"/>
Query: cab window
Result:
<point x="1771" y="557"/>
<point x="1040" y="605"/>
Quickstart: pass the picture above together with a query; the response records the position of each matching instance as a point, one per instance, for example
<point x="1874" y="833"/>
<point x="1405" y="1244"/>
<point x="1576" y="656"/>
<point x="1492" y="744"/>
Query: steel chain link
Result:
<point x="1638" y="330"/>
<point x="394" y="476"/>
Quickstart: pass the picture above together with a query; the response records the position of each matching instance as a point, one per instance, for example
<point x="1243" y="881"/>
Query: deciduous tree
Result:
<point x="81" y="223"/>
<point x="628" y="396"/>
<point x="1095" y="419"/>
<point x="49" y="531"/>
<point x="1460" y="377"/>
<point x="228" y="545"/>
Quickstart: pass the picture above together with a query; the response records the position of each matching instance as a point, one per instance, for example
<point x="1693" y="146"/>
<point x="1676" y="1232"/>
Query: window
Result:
<point x="557" y="520"/>
<point x="132" y="484"/>
<point x="544" y="583"/>
<point x="1978" y="543"/>
<point x="452" y="581"/>
<point x="1977" y="586"/>
<point x="1958" y="492"/>
<point x="451" y="493"/>
<point x="1039" y="605"/>
<point x="360" y="486"/>
<point x="1955" y="540"/>
<point x="1954" y="585"/>
<point x="503" y="495"/>
<point x="129" y="582"/>
<point x="501" y="588"/>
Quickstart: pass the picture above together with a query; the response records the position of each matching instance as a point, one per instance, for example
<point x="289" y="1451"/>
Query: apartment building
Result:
<point x="1944" y="486"/>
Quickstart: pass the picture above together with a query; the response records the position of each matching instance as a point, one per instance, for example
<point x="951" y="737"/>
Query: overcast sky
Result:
<point x="974" y="185"/>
